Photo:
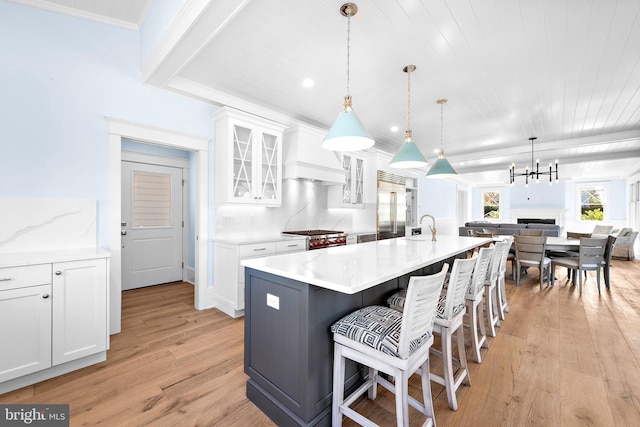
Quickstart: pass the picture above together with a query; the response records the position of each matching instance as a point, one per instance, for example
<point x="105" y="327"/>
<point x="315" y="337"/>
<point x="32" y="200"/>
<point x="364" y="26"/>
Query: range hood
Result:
<point x="303" y="157"/>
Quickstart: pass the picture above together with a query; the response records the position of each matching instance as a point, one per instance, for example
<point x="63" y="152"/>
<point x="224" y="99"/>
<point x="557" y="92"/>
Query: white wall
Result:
<point x="59" y="77"/>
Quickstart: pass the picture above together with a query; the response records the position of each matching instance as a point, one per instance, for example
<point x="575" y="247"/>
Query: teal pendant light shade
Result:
<point x="408" y="156"/>
<point x="441" y="168"/>
<point x="347" y="132"/>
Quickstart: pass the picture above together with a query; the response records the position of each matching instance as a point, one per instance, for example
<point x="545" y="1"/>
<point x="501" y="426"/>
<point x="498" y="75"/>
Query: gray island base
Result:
<point x="288" y="353"/>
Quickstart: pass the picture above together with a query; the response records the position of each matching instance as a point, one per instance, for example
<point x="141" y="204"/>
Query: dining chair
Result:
<point x="473" y="300"/>
<point x="590" y="258"/>
<point x="449" y="316"/>
<point x="558" y="254"/>
<point x="389" y="341"/>
<point x="606" y="260"/>
<point x="526" y="232"/>
<point x="530" y="252"/>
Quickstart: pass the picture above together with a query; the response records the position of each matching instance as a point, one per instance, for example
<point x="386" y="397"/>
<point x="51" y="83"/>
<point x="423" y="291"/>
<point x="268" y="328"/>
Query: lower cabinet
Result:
<point x="51" y="314"/>
<point x="79" y="309"/>
<point x="228" y="276"/>
<point x="25" y="331"/>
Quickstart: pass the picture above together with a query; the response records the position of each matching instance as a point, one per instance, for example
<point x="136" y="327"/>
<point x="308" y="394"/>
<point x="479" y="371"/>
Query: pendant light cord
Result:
<point x="409" y="99"/>
<point x="348" y="50"/>
<point x="441" y="128"/>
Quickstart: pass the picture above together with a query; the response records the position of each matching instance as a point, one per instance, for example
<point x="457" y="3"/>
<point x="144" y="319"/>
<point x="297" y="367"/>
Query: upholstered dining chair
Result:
<point x="623" y="248"/>
<point x="389" y="341"/>
<point x="448" y="321"/>
<point x="530" y="252"/>
<point x="601" y="230"/>
<point x="526" y="232"/>
<point x="590" y="259"/>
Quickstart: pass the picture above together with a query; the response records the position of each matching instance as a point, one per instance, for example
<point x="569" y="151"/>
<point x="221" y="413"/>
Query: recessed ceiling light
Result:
<point x="437" y="151"/>
<point x="394" y="128"/>
<point x="308" y="83"/>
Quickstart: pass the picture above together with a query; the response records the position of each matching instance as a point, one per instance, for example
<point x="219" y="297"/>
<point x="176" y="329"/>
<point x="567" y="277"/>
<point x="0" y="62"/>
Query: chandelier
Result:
<point x="530" y="173"/>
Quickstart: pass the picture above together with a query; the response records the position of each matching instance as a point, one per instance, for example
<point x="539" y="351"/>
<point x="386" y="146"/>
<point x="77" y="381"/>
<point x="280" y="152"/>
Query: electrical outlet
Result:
<point x="273" y="301"/>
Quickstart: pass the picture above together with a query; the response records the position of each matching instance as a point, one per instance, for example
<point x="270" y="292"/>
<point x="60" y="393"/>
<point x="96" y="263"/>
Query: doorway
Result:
<point x="123" y="129"/>
<point x="152" y="224"/>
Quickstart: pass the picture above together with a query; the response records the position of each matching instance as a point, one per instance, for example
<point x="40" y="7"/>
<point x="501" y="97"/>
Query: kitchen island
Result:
<point x="292" y="300"/>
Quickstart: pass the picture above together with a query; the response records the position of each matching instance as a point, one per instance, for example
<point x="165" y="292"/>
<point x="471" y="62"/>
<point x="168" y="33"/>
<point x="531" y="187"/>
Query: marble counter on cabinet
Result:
<point x="17" y="259"/>
<point x="354" y="268"/>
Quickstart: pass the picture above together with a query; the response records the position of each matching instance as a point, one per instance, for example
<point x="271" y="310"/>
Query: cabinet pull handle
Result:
<point x="58" y="273"/>
<point x="5" y="279"/>
<point x="260" y="249"/>
<point x="292" y="246"/>
<point x="45" y="296"/>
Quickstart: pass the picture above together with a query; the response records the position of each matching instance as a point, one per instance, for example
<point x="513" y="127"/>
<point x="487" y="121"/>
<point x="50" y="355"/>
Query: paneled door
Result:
<point x="152" y="224"/>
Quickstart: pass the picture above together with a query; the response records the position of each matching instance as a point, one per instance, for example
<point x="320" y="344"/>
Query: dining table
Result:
<point x="562" y="244"/>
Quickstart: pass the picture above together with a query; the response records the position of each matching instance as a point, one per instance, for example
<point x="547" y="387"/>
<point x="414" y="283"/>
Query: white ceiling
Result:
<point x="565" y="71"/>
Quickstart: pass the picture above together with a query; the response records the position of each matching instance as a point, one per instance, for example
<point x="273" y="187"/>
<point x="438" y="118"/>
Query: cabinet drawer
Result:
<point x="257" y="249"/>
<point x="22" y="277"/>
<point x="291" y="246"/>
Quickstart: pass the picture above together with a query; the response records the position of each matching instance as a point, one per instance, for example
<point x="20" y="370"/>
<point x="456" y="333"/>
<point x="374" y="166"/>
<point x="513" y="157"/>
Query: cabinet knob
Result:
<point x="58" y="273"/>
<point x="45" y="296"/>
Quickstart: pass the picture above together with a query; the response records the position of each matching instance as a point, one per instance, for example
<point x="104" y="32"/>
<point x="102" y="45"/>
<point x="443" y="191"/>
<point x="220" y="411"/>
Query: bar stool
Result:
<point x="393" y="342"/>
<point x="491" y="289"/>
<point x="473" y="299"/>
<point x="448" y="321"/>
<point x="503" y="307"/>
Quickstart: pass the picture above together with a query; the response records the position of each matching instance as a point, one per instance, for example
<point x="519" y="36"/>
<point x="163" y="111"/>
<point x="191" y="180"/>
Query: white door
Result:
<point x="152" y="224"/>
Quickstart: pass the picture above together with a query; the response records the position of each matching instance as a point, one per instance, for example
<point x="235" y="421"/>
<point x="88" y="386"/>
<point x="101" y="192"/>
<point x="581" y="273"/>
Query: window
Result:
<point x="491" y="204"/>
<point x="593" y="202"/>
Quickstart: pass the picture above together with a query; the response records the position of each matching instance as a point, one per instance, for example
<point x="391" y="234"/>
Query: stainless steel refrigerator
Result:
<point x="392" y="205"/>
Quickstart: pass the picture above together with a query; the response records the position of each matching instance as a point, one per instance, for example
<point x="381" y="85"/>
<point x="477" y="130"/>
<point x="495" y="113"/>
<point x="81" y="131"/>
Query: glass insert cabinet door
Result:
<point x="353" y="188"/>
<point x="243" y="180"/>
<point x="269" y="166"/>
<point x="346" y="188"/>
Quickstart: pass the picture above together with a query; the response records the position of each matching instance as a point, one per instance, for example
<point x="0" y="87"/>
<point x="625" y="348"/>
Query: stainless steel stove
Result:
<point x="318" y="239"/>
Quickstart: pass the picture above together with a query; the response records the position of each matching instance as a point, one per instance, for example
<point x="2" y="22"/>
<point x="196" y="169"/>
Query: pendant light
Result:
<point x="408" y="156"/>
<point x="441" y="168"/>
<point x="347" y="132"/>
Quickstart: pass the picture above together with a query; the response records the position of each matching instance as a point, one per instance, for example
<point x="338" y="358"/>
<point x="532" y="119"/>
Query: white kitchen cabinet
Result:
<point x="248" y="153"/>
<point x="351" y="193"/>
<point x="53" y="318"/>
<point x="228" y="275"/>
<point x="79" y="309"/>
<point x="25" y="322"/>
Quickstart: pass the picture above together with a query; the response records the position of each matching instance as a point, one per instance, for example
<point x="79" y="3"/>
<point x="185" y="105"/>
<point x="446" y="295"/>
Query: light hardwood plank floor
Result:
<point x="559" y="358"/>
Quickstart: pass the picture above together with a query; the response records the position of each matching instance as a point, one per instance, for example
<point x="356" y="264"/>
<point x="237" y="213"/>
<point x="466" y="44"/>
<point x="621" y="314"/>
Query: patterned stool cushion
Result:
<point x="396" y="301"/>
<point x="377" y="327"/>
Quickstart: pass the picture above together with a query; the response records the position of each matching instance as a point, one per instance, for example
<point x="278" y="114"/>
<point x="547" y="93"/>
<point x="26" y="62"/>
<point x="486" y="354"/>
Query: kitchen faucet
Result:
<point x="433" y="229"/>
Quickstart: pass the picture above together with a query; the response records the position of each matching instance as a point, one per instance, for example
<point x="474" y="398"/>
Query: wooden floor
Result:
<point x="559" y="359"/>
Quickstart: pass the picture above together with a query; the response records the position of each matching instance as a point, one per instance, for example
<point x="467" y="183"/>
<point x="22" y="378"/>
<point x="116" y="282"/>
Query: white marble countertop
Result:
<point x="246" y="239"/>
<point x="16" y="259"/>
<point x="353" y="268"/>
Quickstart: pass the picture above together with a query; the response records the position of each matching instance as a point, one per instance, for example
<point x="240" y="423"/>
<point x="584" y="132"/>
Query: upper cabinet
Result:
<point x="352" y="193"/>
<point x="248" y="153"/>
